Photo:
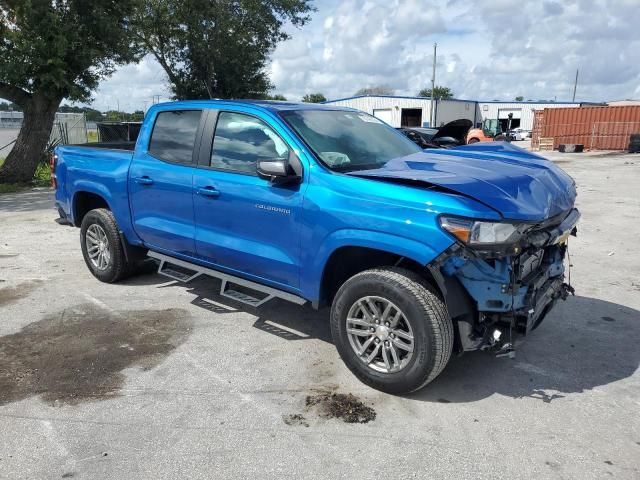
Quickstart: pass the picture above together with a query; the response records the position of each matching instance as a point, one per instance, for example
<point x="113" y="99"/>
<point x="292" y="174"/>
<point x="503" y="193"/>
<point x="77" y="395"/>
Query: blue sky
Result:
<point x="486" y="50"/>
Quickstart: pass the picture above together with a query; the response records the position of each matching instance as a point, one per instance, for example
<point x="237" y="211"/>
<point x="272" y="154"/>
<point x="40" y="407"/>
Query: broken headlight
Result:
<point x="477" y="232"/>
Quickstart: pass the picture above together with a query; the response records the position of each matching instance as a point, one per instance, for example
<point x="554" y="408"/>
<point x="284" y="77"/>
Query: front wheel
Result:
<point x="391" y="330"/>
<point x="101" y="246"/>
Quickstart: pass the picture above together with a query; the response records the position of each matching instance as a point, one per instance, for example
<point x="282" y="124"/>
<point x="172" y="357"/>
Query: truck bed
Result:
<point x="100" y="169"/>
<point x="107" y="145"/>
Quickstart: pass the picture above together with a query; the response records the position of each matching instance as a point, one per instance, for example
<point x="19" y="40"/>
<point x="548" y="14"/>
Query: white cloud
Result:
<point x="498" y="50"/>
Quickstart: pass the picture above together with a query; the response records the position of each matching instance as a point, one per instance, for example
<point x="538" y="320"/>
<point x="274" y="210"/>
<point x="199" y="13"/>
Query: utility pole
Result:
<point x="432" y="115"/>
<point x="575" y="86"/>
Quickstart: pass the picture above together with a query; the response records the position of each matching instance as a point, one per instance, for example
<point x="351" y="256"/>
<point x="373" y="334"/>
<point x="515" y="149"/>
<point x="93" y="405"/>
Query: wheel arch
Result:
<point x="344" y="256"/>
<point x="84" y="201"/>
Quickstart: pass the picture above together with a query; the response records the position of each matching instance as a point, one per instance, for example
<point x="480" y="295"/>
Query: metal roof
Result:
<point x="396" y="96"/>
<point x="453" y="100"/>
<point x="539" y="102"/>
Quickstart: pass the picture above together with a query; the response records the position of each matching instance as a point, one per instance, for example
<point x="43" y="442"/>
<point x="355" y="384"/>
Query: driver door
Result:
<point x="245" y="224"/>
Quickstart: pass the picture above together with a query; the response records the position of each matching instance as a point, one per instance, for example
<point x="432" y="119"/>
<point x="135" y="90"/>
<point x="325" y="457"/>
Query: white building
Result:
<point x="623" y="103"/>
<point x="399" y="111"/>
<point x="10" y="119"/>
<point x="522" y="112"/>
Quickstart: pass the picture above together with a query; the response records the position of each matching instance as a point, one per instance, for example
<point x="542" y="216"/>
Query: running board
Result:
<point x="183" y="271"/>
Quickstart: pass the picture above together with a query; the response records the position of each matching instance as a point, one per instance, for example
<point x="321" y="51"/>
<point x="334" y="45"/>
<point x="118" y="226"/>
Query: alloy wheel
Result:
<point x="380" y="334"/>
<point x="97" y="245"/>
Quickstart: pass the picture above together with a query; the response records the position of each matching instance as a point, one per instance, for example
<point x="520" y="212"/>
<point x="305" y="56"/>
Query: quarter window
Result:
<point x="241" y="140"/>
<point x="174" y="135"/>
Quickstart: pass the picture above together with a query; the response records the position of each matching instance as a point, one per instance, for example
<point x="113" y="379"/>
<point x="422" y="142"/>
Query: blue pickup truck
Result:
<point x="419" y="254"/>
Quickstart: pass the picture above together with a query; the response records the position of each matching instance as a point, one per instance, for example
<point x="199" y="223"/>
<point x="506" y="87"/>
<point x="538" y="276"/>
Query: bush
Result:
<point x="42" y="177"/>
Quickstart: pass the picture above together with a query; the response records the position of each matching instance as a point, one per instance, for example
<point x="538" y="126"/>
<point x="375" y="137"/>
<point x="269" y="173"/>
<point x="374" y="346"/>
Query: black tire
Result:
<point x="472" y="140"/>
<point x="117" y="267"/>
<point x="424" y="310"/>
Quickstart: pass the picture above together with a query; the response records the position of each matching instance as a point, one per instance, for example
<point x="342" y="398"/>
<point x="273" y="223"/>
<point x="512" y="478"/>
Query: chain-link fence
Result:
<point x="118" y="131"/>
<point x="69" y="129"/>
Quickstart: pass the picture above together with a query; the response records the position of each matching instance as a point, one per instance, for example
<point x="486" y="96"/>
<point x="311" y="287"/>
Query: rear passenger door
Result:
<point x="246" y="224"/>
<point x="161" y="182"/>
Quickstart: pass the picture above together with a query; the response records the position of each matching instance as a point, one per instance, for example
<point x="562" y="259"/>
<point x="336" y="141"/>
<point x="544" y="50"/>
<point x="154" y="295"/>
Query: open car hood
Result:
<point x="457" y="129"/>
<point x="516" y="183"/>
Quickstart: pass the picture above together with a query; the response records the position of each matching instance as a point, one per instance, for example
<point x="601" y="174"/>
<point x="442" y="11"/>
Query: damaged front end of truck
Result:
<point x="500" y="279"/>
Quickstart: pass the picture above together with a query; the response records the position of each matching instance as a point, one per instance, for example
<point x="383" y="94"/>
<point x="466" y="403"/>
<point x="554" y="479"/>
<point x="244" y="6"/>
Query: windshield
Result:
<point x="346" y="141"/>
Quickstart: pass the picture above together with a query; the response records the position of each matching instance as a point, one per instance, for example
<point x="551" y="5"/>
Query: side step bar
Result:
<point x="183" y="271"/>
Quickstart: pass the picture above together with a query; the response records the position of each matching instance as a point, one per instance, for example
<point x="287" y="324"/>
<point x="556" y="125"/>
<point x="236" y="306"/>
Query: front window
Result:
<point x="346" y="141"/>
<point x="242" y="140"/>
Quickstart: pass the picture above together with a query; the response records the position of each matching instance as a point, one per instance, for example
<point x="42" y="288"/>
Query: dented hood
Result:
<point x="518" y="184"/>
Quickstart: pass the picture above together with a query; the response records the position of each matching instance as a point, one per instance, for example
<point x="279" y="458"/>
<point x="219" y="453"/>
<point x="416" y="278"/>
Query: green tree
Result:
<point x="136" y="116"/>
<point x="314" y="98"/>
<point x="276" y="96"/>
<point x="114" y="116"/>
<point x="217" y="49"/>
<point x="438" y="92"/>
<point x="519" y="98"/>
<point x="376" y="90"/>
<point x="91" y="114"/>
<point x="52" y="50"/>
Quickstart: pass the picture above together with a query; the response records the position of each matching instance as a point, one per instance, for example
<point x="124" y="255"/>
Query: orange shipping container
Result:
<point x="597" y="128"/>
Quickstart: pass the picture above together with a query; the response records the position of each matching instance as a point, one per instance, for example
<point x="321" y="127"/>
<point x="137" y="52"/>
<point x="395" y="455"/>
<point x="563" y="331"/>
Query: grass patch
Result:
<point x="92" y="136"/>
<point x="13" y="187"/>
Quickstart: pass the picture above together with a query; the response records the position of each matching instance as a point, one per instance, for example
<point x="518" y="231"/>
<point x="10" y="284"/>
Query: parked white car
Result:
<point x="519" y="134"/>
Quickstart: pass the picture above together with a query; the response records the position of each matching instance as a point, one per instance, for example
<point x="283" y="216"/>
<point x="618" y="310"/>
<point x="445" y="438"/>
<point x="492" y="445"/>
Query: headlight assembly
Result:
<point x="475" y="232"/>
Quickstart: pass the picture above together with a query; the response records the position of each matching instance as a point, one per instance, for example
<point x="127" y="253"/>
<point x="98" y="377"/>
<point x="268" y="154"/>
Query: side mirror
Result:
<point x="272" y="168"/>
<point x="279" y="171"/>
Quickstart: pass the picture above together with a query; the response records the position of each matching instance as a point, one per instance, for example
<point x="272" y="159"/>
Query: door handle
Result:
<point x="208" y="192"/>
<point x="144" y="180"/>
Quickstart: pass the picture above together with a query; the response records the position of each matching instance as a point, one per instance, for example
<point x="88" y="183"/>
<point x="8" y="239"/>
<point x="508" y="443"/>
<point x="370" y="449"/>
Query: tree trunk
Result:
<point x="21" y="164"/>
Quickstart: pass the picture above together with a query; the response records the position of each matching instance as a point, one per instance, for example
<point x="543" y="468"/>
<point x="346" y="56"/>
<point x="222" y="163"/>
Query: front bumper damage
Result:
<point x="492" y="292"/>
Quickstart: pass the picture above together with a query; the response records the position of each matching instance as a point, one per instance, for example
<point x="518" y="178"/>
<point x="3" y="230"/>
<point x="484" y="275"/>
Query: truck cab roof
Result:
<point x="269" y="105"/>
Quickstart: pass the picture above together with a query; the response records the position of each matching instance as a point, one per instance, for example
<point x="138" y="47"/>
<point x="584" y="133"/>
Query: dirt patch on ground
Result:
<point x="79" y="353"/>
<point x="10" y="295"/>
<point x="295" y="419"/>
<point x="346" y="407"/>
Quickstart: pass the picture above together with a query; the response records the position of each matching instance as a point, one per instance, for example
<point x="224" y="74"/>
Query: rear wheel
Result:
<point x="391" y="330"/>
<point x="101" y="246"/>
<point x="473" y="140"/>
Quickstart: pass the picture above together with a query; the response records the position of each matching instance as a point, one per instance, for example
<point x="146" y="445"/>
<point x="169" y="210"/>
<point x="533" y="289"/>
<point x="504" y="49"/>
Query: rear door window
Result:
<point x="241" y="140"/>
<point x="174" y="135"/>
